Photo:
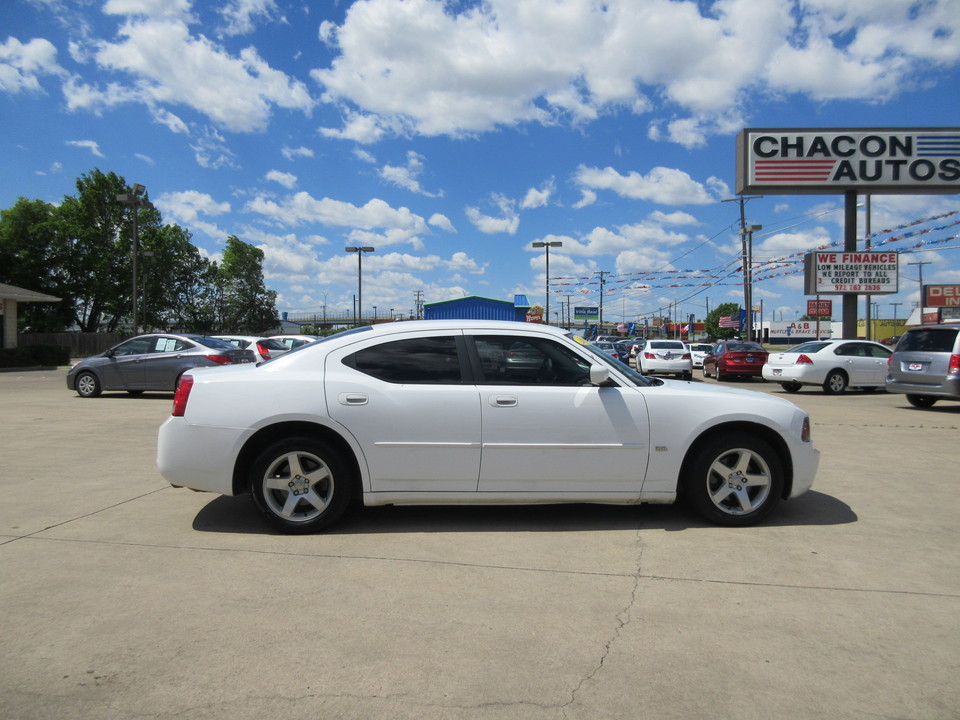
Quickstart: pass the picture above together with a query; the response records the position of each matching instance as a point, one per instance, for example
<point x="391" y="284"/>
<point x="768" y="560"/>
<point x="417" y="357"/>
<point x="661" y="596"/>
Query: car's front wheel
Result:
<point x="300" y="485"/>
<point x="921" y="401"/>
<point x="733" y="480"/>
<point x="88" y="385"/>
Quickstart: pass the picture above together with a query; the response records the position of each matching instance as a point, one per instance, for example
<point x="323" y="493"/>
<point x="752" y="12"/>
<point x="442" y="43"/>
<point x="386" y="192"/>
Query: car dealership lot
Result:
<point x="122" y="596"/>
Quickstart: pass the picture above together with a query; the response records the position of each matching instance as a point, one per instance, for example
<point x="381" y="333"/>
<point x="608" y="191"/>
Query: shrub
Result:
<point x="34" y="356"/>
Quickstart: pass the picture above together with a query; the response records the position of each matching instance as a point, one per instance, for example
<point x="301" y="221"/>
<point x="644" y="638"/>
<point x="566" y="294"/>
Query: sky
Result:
<point x="450" y="136"/>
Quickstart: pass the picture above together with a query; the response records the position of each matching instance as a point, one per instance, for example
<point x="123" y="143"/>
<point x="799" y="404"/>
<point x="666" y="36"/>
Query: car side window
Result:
<point x="135" y="346"/>
<point x="849" y="350"/>
<point x="169" y="344"/>
<point x="421" y="361"/>
<point x="508" y="360"/>
<point x="878" y="352"/>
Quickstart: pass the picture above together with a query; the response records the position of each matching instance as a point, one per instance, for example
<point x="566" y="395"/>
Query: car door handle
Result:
<point x="353" y="399"/>
<point x="503" y="400"/>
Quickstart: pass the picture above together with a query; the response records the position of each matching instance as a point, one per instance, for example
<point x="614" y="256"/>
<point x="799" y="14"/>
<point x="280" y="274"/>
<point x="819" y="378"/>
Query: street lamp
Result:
<point x="359" y="251"/>
<point x="135" y="200"/>
<point x="546" y="246"/>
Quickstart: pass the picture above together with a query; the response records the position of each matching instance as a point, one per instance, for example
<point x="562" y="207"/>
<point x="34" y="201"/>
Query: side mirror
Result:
<point x="599" y="374"/>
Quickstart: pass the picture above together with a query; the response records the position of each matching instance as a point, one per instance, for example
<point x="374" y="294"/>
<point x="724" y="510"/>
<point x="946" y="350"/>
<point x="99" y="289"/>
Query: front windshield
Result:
<point x="602" y="358"/>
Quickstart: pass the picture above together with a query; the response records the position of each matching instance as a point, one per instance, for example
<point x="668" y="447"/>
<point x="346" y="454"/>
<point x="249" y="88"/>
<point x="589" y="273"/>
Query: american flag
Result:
<point x="727" y="322"/>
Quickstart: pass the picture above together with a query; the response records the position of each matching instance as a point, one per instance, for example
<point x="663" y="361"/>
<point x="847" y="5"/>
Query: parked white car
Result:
<point x="294" y="341"/>
<point x="834" y="365"/>
<point x="668" y="357"/>
<point x="432" y="412"/>
<point x="264" y="348"/>
<point x="697" y="352"/>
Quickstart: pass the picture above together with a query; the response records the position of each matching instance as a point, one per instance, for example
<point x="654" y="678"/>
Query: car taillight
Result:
<point x="686" y="356"/>
<point x="650" y="356"/>
<point x="182" y="394"/>
<point x="804" y="360"/>
<point x="805" y="433"/>
<point x="220" y="359"/>
<point x="954" y="368"/>
<point x="264" y="351"/>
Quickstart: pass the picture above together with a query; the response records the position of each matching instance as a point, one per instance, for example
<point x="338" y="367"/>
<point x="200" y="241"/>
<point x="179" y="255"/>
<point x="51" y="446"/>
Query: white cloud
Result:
<point x="288" y="180"/>
<point x="538" y="197"/>
<point x="509" y="222"/>
<point x="170" y="67"/>
<point x="406" y="176"/>
<point x="90" y="145"/>
<point x="662" y="185"/>
<point x="442" y="221"/>
<point x="21" y="66"/>
<point x="424" y="66"/>
<point x="293" y="153"/>
<point x="190" y="208"/>
<point x="400" y="224"/>
<point x="239" y="15"/>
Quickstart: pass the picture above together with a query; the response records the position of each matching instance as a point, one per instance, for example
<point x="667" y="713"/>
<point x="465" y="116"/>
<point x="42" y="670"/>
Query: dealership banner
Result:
<point x="834" y="273"/>
<point x="835" y="160"/>
<point x="941" y="295"/>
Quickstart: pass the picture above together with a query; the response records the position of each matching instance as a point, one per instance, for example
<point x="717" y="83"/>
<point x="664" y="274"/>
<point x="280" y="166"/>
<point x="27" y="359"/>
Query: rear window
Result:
<point x="215" y="343"/>
<point x="929" y="340"/>
<point x="666" y="345"/>
<point x="743" y="347"/>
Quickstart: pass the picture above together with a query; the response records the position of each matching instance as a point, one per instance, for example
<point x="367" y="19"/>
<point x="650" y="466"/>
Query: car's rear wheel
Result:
<point x="733" y="480"/>
<point x="300" y="485"/>
<point x="791" y="387"/>
<point x="835" y="383"/>
<point x="88" y="385"/>
<point x="921" y="401"/>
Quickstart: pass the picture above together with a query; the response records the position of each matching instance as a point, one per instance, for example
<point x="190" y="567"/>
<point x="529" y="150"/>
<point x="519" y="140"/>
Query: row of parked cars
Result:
<point x="924" y="364"/>
<point x="156" y="361"/>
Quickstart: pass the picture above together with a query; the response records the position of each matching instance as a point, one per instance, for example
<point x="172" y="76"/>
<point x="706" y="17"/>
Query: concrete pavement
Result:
<point x="122" y="597"/>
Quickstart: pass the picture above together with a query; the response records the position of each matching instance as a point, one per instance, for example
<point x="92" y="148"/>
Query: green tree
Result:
<point x="175" y="279"/>
<point x="712" y="321"/>
<point x="244" y="302"/>
<point x="32" y="256"/>
<point x="100" y="233"/>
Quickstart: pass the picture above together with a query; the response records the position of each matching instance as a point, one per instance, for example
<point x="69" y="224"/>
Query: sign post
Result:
<point x="872" y="161"/>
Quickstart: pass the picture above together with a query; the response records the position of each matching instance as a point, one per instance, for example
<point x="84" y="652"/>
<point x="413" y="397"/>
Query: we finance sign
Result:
<point x="836" y="160"/>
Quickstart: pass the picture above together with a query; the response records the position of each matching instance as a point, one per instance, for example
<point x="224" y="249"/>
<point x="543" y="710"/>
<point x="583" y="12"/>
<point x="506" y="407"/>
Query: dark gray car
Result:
<point x="151" y="362"/>
<point x="926" y="365"/>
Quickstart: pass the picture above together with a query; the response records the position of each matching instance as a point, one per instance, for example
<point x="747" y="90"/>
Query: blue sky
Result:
<point x="452" y="135"/>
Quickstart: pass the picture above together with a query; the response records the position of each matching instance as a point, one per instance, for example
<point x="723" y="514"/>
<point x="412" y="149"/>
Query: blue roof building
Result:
<point x="474" y="307"/>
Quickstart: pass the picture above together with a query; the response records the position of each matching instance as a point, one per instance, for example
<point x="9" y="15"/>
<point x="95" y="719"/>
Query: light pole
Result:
<point x="546" y="245"/>
<point x="922" y="299"/>
<point x="136" y="200"/>
<point x="895" y="306"/>
<point x="359" y="251"/>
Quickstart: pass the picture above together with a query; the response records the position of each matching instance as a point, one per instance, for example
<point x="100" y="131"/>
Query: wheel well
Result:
<point x="770" y="436"/>
<point x="838" y="370"/>
<point x="269" y="435"/>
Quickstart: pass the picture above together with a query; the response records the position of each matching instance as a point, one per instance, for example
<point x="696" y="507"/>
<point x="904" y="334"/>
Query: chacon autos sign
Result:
<point x="835" y="160"/>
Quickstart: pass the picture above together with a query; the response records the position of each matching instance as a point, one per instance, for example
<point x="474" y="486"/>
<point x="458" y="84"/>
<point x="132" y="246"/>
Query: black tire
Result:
<point x="300" y="485"/>
<point x="791" y="387"/>
<point x="733" y="480"/>
<point x="921" y="401"/>
<point x="135" y="392"/>
<point x="835" y="383"/>
<point x="88" y="385"/>
<point x="687" y="375"/>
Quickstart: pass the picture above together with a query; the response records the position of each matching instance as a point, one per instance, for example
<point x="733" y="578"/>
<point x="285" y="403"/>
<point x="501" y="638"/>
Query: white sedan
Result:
<point x="671" y="357"/>
<point x="432" y="412"/>
<point x="834" y="365"/>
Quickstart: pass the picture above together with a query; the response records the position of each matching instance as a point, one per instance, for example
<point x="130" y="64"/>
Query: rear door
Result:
<point x="406" y="401"/>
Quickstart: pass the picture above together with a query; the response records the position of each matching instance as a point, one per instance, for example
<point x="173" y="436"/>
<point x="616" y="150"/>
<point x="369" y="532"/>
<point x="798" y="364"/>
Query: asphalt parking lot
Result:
<point x="122" y="597"/>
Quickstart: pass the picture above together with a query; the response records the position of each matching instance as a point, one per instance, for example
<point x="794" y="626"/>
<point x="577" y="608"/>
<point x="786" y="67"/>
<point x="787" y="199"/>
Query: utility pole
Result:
<point x="920" y="265"/>
<point x="895" y="305"/>
<point x="601" y="273"/>
<point x="418" y="303"/>
<point x="746" y="249"/>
